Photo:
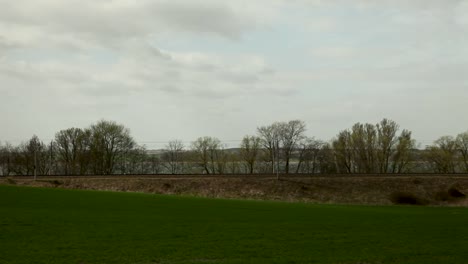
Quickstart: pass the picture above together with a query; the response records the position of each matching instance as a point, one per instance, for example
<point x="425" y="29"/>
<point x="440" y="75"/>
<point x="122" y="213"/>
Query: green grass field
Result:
<point x="66" y="226"/>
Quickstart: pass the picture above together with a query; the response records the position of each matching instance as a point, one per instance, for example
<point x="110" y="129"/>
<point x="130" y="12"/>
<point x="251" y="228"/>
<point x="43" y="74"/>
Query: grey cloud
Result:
<point x="108" y="21"/>
<point x="395" y="4"/>
<point x="6" y="45"/>
<point x="195" y="16"/>
<point x="206" y="67"/>
<point x="86" y="25"/>
<point x="267" y="71"/>
<point x="213" y="92"/>
<point x="44" y="72"/>
<point x="239" y="78"/>
<point x="386" y="52"/>
<point x="171" y="89"/>
<point x="143" y="53"/>
<point x="105" y="90"/>
<point x="20" y="71"/>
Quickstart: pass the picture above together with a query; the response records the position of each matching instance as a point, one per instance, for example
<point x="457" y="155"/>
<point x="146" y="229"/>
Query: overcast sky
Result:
<point x="184" y="69"/>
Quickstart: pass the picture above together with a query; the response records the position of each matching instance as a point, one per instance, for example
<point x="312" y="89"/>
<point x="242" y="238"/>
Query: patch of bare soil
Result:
<point x="443" y="190"/>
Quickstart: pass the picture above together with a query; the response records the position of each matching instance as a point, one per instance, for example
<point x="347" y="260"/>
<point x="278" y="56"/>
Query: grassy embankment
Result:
<point x="40" y="225"/>
<point x="436" y="190"/>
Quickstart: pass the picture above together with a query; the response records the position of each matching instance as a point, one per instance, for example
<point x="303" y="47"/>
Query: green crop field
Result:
<point x="67" y="226"/>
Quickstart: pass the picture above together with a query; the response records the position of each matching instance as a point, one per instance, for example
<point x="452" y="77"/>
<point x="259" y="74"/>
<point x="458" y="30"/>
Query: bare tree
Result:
<point x="30" y="157"/>
<point x="206" y="152"/>
<point x="326" y="159"/>
<point x="368" y="148"/>
<point x="344" y="153"/>
<point x="386" y="141"/>
<point x="134" y="161"/>
<point x="271" y="142"/>
<point x="6" y="159"/>
<point x="154" y="164"/>
<point x="309" y="150"/>
<point x="281" y="138"/>
<point x="249" y="151"/>
<point x="173" y="156"/>
<point x="221" y="158"/>
<point x="462" y="145"/>
<point x="442" y="155"/>
<point x="234" y="162"/>
<point x="70" y="149"/>
<point x="403" y="154"/>
<point x="363" y="141"/>
<point x="109" y="140"/>
<point x="38" y="150"/>
<point x="290" y="134"/>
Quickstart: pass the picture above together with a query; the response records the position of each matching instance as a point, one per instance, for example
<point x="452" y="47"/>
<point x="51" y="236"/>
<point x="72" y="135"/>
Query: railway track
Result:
<point x="242" y="176"/>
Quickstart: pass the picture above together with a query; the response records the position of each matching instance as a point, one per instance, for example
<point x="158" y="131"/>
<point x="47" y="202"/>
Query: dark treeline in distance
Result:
<point x="108" y="148"/>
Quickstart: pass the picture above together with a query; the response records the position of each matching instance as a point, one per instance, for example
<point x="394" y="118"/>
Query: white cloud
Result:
<point x="105" y="22"/>
<point x="240" y="64"/>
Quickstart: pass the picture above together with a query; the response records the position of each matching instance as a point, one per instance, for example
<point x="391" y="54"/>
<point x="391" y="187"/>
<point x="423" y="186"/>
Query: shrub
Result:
<point x="10" y="181"/>
<point x="56" y="182"/>
<point x="442" y="196"/>
<point x="406" y="198"/>
<point x="450" y="195"/>
<point x="53" y="182"/>
<point x="453" y="192"/>
<point x="417" y="181"/>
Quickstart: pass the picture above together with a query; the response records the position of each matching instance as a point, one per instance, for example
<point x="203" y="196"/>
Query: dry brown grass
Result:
<point x="341" y="190"/>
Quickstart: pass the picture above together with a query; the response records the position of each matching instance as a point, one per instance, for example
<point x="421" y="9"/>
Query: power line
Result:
<point x="423" y="142"/>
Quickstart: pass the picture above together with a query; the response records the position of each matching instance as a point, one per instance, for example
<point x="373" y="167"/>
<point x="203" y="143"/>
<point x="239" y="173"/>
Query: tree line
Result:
<point x="107" y="147"/>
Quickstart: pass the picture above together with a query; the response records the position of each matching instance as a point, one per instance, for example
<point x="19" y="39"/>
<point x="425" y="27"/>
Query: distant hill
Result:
<point x="162" y="151"/>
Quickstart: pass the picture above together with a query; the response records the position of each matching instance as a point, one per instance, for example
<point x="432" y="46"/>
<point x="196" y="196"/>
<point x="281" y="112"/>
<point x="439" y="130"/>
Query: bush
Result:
<point x="417" y="181"/>
<point x="53" y="182"/>
<point x="56" y="183"/>
<point x="442" y="196"/>
<point x="10" y="181"/>
<point x="406" y="198"/>
<point x="453" y="192"/>
<point x="450" y="195"/>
